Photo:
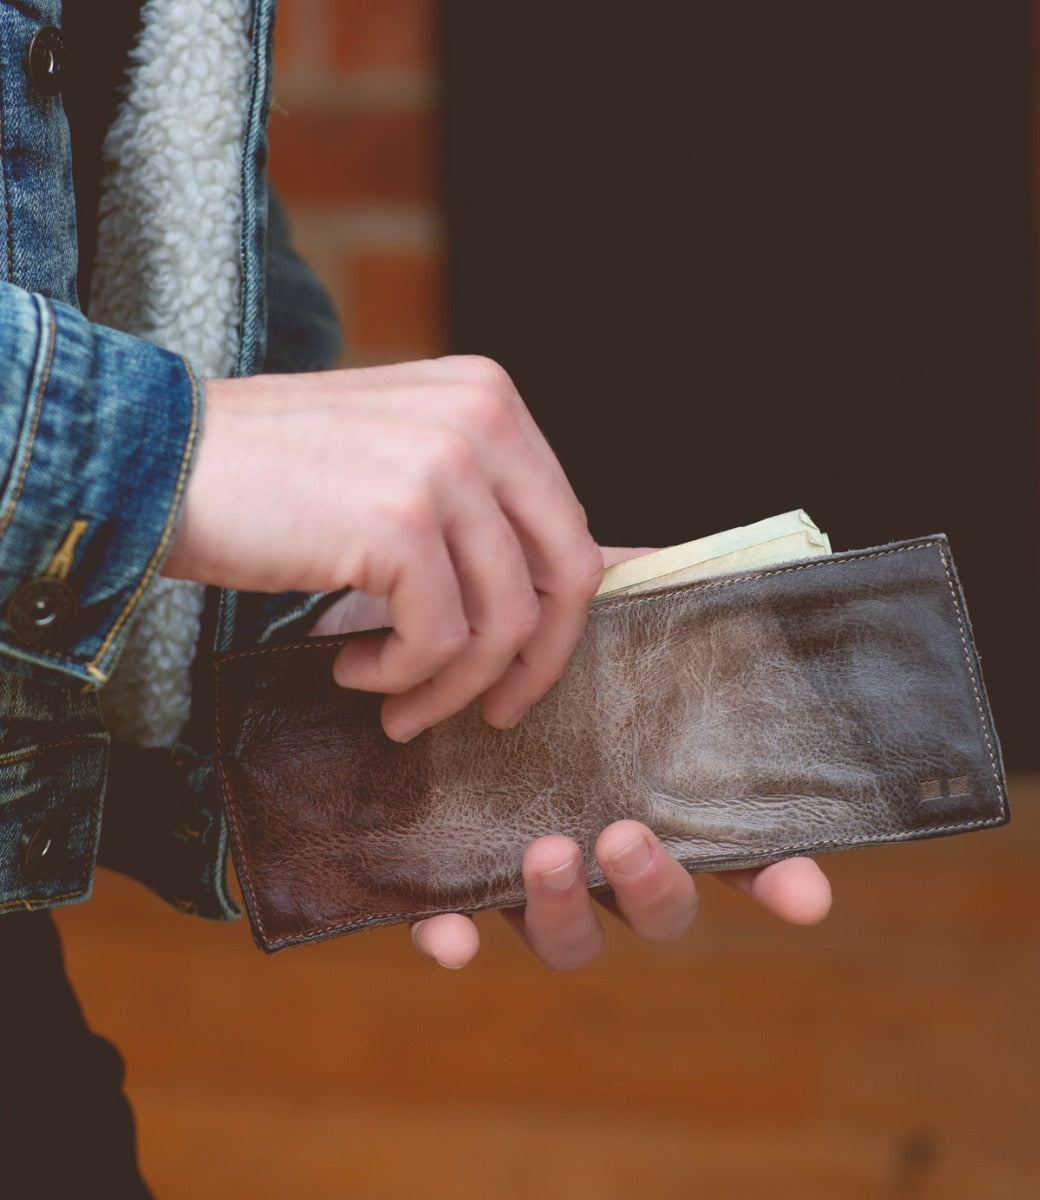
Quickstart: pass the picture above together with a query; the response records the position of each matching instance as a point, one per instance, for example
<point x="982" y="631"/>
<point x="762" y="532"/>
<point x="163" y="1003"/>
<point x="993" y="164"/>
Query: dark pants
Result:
<point x="66" y="1129"/>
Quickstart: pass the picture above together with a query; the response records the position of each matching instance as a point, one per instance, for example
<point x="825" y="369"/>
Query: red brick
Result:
<point x="368" y="156"/>
<point x="367" y="34"/>
<point x="398" y="302"/>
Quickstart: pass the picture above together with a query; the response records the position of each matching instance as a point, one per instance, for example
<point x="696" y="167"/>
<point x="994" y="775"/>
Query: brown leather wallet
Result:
<point x="803" y="709"/>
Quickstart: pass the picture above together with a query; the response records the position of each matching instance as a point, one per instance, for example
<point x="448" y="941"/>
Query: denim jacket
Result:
<point x="97" y="434"/>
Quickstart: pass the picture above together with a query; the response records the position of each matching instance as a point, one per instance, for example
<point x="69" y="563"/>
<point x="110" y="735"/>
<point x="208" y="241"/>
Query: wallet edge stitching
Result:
<point x="705" y="866"/>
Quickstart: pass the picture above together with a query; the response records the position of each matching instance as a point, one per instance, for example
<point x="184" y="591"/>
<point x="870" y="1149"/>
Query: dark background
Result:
<point x="741" y="258"/>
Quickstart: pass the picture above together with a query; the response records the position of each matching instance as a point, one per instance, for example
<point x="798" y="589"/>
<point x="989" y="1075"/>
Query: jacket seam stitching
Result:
<point x="9" y="238"/>
<point x="47" y="901"/>
<point x="16" y="756"/>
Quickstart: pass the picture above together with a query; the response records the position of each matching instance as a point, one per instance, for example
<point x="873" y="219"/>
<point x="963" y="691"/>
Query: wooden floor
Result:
<point x="891" y="1054"/>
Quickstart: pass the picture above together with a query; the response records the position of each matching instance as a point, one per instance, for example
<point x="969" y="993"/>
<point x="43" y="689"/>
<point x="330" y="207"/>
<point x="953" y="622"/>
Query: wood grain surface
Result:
<point x="889" y="1054"/>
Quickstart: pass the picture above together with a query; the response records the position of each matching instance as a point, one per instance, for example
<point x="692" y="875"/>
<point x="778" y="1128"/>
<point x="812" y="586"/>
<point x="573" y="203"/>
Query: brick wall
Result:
<point x="354" y="155"/>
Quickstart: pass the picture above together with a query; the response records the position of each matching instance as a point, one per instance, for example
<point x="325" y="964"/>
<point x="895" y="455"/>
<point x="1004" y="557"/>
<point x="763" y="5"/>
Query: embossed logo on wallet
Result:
<point x="957" y="788"/>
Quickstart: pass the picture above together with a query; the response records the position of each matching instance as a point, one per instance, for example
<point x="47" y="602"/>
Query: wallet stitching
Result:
<point x="974" y="681"/>
<point x="604" y="605"/>
<point x="775" y="852"/>
<point x="747" y="577"/>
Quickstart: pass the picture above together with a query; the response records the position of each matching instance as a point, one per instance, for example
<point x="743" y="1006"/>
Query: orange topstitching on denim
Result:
<point x="61" y="563"/>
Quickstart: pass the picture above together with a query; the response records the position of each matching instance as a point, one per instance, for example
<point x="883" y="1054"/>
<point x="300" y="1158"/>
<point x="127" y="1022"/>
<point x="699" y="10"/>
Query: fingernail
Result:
<point x="560" y="878"/>
<point x="633" y="859"/>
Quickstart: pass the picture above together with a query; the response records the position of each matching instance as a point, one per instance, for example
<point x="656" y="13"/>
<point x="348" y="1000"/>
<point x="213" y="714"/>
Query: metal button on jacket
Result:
<point x="42" y="612"/>
<point x="36" y="845"/>
<point x="47" y="61"/>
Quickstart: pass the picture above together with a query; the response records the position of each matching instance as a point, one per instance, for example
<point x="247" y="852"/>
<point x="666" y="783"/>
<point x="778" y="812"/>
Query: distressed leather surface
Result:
<point x="807" y="708"/>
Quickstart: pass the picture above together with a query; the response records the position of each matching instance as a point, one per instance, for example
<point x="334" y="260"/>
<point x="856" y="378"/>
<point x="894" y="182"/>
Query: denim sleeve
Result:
<point x="97" y="432"/>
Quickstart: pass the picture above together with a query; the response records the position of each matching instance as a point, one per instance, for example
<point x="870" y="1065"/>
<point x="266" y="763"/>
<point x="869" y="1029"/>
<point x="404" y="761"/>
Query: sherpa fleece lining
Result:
<point x="167" y="270"/>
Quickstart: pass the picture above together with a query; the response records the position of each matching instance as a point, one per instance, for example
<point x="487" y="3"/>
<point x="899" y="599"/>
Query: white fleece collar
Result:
<point x="168" y="270"/>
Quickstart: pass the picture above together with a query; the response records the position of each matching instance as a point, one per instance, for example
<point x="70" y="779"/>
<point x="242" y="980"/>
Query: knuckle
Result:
<point x="573" y="952"/>
<point x="668" y="917"/>
<point x="410" y="511"/>
<point x="402" y="672"/>
<point x="394" y="679"/>
<point x="486" y="410"/>
<point x="450" y="454"/>
<point x="517" y="624"/>
<point x="485" y="372"/>
<point x="448" y="642"/>
<point x="590" y="569"/>
<point x="440" y="453"/>
<point x="526" y="618"/>
<point x="588" y="581"/>
<point x="583" y="575"/>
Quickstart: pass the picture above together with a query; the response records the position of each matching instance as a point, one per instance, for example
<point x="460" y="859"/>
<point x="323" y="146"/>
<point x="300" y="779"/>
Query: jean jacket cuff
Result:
<point x="97" y="434"/>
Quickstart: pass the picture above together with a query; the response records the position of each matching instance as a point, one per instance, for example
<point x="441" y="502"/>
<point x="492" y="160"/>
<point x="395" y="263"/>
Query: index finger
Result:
<point x="566" y="567"/>
<point x="429" y="626"/>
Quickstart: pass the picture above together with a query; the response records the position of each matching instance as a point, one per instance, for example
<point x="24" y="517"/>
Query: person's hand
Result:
<point x="652" y="894"/>
<point x="426" y="484"/>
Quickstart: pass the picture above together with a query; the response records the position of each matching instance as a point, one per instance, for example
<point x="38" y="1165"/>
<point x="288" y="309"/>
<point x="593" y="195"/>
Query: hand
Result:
<point x="425" y="484"/>
<point x="653" y="895"/>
